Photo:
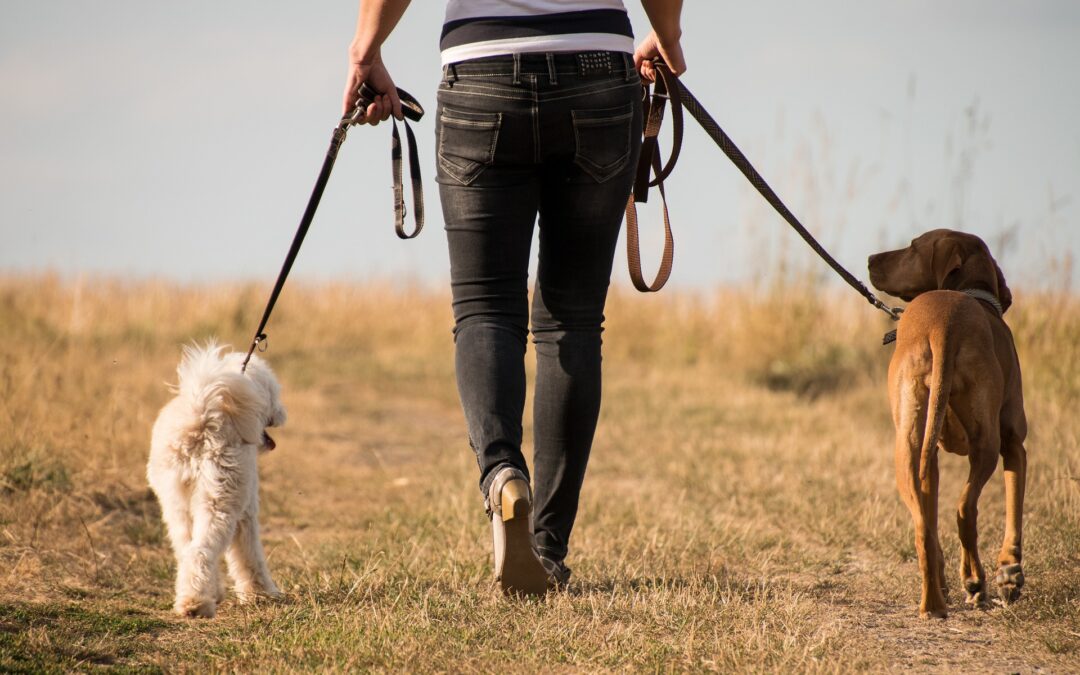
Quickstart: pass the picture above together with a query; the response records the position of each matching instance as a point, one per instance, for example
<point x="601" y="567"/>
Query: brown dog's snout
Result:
<point x="873" y="265"/>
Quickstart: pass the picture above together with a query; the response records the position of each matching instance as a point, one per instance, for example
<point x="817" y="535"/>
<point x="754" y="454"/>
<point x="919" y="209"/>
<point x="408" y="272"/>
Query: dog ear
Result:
<point x="1004" y="294"/>
<point x="946" y="260"/>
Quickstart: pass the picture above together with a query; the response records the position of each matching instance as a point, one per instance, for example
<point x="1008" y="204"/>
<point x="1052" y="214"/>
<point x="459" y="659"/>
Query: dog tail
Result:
<point x="218" y="393"/>
<point x="200" y="376"/>
<point x="941" y="372"/>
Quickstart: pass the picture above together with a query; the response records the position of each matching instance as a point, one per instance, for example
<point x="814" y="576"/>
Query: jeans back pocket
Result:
<point x="467" y="142"/>
<point x="602" y="140"/>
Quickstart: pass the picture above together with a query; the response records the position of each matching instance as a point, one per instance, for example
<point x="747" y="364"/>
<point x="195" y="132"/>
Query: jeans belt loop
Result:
<point x="552" y="77"/>
<point x="517" y="68"/>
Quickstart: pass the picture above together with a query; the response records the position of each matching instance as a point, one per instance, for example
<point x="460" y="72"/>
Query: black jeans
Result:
<point x="556" y="135"/>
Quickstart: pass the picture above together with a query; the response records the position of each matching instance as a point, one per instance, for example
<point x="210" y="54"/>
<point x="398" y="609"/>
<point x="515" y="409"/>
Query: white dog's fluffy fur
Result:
<point x="203" y="469"/>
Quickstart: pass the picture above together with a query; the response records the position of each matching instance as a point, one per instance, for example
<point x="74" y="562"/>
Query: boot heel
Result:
<point x="517" y="567"/>
<point x="515" y="500"/>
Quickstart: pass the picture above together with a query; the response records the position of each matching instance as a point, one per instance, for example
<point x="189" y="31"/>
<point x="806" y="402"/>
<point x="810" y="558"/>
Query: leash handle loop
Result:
<point x="399" y="188"/>
<point x="633" y="244"/>
<point x="411" y="110"/>
<point x="653" y="104"/>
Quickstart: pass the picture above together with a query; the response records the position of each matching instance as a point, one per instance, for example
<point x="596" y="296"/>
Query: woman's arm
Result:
<point x="375" y="20"/>
<point x="665" y="39"/>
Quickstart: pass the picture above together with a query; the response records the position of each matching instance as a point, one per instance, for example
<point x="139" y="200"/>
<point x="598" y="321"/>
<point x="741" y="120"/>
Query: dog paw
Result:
<point x="195" y="608"/>
<point x="1009" y="580"/>
<point x="934" y="613"/>
<point x="975" y="592"/>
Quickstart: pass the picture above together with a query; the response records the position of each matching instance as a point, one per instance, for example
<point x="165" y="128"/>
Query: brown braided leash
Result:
<point x="669" y="87"/>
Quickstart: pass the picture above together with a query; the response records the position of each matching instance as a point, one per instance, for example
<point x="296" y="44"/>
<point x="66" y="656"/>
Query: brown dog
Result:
<point x="954" y="380"/>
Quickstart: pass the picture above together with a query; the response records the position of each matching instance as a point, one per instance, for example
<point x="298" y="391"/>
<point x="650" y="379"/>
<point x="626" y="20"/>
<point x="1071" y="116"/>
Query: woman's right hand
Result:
<point x="376" y="76"/>
<point x="652" y="47"/>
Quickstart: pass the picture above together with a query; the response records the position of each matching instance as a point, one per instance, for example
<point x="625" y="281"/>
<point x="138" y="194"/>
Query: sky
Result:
<point x="181" y="140"/>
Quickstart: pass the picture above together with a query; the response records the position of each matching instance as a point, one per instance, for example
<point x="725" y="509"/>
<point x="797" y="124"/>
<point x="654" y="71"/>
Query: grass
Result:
<point x="739" y="513"/>
<point x="64" y="637"/>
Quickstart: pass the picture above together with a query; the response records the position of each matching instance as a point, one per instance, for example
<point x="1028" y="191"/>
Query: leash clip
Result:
<point x="261" y="343"/>
<point x="357" y="116"/>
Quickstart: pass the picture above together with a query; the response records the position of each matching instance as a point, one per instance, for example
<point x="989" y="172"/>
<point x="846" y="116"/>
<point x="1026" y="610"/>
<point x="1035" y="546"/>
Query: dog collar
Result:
<point x="985" y="296"/>
<point x="976" y="293"/>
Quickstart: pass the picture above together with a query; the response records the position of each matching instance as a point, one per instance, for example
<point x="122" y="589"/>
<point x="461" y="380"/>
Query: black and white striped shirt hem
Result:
<point x="589" y="30"/>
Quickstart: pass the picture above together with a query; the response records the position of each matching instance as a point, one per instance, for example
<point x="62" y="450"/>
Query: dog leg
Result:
<point x="924" y="515"/>
<point x="213" y="524"/>
<point x="972" y="574"/>
<point x="934" y="603"/>
<point x="247" y="563"/>
<point x="174" y="511"/>
<point x="1010" y="576"/>
<point x="910" y="420"/>
<point x="174" y="497"/>
<point x="943" y="582"/>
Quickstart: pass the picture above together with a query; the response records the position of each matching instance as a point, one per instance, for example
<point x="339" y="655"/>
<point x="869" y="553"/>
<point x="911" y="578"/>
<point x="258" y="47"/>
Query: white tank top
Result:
<point x="478" y="28"/>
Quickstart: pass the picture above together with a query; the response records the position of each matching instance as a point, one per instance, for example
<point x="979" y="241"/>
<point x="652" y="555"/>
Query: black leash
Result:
<point x="412" y="110"/>
<point x="671" y="88"/>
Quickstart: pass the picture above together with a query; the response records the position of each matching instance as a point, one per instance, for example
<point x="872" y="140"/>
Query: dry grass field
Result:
<point x="739" y="515"/>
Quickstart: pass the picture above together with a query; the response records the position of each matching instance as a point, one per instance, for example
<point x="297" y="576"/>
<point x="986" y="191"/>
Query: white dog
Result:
<point x="202" y="468"/>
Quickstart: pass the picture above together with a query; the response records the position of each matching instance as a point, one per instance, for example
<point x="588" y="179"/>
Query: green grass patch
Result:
<point x="58" y="638"/>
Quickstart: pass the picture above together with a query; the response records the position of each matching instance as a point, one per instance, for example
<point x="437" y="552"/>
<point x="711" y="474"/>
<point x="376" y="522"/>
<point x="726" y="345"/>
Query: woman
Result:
<point x="539" y="114"/>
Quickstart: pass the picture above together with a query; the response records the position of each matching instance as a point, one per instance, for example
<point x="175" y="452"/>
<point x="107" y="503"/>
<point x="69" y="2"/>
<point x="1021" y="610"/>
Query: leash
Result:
<point x="412" y="110"/>
<point x="670" y="88"/>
